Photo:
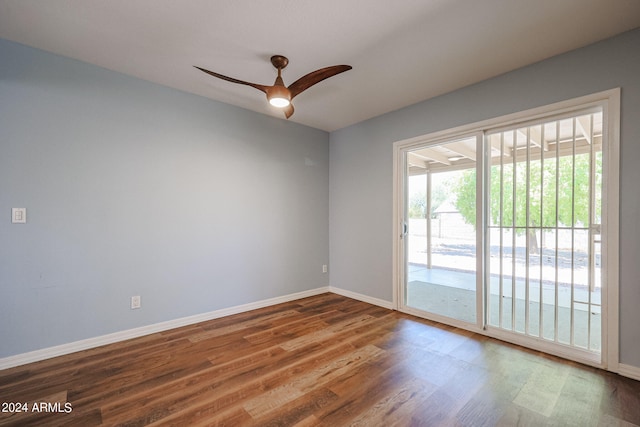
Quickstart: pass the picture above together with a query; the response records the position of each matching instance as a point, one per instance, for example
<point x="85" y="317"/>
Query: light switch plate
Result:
<point x="135" y="302"/>
<point x="18" y="215"/>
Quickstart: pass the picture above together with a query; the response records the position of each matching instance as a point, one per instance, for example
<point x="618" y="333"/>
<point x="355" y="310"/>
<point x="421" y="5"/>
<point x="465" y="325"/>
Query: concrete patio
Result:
<point x="452" y="292"/>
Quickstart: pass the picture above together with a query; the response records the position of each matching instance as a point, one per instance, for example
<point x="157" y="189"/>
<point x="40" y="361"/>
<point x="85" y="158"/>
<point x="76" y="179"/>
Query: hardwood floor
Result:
<point x="324" y="360"/>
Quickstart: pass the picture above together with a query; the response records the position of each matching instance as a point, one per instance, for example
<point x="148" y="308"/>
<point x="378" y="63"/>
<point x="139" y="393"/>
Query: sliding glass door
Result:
<point x="502" y="230"/>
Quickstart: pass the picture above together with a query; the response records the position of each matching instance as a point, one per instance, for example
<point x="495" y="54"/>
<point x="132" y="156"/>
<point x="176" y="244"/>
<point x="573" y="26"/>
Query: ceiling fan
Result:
<point x="280" y="95"/>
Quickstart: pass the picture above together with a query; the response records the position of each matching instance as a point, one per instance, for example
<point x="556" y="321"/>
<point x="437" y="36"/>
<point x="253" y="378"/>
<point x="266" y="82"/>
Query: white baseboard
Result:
<point x="59" y="350"/>
<point x="361" y="297"/>
<point x="629" y="371"/>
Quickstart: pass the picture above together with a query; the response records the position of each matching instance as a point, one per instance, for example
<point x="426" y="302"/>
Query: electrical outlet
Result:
<point x="135" y="302"/>
<point x="324" y="268"/>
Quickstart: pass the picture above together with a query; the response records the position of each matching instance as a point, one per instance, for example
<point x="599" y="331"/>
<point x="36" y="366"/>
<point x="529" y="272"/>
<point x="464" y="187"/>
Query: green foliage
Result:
<point x="541" y="200"/>
<point x="465" y="191"/>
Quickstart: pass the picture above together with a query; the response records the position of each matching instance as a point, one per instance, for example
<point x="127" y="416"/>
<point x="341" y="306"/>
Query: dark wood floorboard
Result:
<point x="321" y="361"/>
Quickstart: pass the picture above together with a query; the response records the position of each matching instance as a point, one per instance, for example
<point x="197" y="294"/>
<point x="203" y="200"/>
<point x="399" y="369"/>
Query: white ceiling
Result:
<point x="402" y="51"/>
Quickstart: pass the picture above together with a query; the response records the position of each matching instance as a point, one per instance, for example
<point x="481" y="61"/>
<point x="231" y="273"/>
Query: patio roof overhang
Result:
<point x="554" y="138"/>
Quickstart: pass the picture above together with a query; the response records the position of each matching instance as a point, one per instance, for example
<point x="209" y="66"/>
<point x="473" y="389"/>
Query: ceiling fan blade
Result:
<point x="288" y="111"/>
<point x="262" y="88"/>
<point x="306" y="81"/>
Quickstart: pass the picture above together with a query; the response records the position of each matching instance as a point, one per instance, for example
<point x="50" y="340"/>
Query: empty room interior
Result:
<point x="444" y="231"/>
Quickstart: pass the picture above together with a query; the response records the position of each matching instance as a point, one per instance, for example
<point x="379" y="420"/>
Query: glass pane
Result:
<point x="596" y="333"/>
<point x="541" y="216"/>
<point x="534" y="274"/>
<point x="549" y="272"/>
<point x="581" y="325"/>
<point x="442" y="230"/>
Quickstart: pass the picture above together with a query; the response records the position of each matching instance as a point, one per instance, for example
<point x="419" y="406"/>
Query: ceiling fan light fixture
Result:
<point x="279" y="96"/>
<point x="279" y="102"/>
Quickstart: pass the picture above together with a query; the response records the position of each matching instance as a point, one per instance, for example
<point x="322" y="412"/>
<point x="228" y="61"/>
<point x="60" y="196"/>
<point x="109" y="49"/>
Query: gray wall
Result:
<point x="137" y="189"/>
<point x="361" y="164"/>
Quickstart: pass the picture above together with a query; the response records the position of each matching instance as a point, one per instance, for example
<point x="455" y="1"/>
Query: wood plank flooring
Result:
<point x="324" y="360"/>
